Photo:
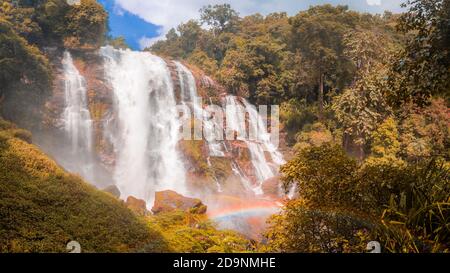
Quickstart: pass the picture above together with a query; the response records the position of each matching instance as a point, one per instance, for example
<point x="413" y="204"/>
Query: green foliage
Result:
<point x="301" y="229"/>
<point x="294" y="115"/>
<point x="362" y="107"/>
<point x="21" y="19"/>
<point x="42" y="208"/>
<point x="194" y="151"/>
<point x="385" y="144"/>
<point x="20" y="61"/>
<point x="343" y="206"/>
<point x="203" y="61"/>
<point x="425" y="131"/>
<point x="323" y="175"/>
<point x="222" y="18"/>
<point x="422" y="68"/>
<point x="190" y="233"/>
<point x="314" y="136"/>
<point x="51" y="17"/>
<point x="86" y="25"/>
<point x="420" y="221"/>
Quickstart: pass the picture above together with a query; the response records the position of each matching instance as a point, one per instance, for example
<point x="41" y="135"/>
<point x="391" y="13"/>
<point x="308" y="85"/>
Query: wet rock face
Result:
<point x="167" y="201"/>
<point x="137" y="205"/>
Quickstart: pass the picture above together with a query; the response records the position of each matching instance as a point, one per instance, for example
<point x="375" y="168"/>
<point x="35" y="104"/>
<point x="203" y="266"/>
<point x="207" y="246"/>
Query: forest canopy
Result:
<point x="364" y="102"/>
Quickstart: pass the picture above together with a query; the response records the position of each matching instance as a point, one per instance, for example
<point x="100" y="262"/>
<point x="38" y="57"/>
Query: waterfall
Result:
<point x="144" y="127"/>
<point x="257" y="139"/>
<point x="189" y="95"/>
<point x="77" y="121"/>
<point x="147" y="125"/>
<point x="235" y="117"/>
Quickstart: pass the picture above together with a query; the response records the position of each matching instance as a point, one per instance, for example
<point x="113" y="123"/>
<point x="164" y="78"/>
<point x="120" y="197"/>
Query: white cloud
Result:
<point x="171" y="13"/>
<point x="374" y="2"/>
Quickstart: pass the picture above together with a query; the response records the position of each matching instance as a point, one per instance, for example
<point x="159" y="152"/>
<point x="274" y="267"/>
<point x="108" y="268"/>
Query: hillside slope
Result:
<point x="42" y="207"/>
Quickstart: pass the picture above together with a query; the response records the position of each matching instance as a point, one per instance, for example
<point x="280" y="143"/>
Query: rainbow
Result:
<point x="259" y="209"/>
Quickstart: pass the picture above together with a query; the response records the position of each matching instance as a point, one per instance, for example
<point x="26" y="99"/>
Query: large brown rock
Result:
<point x="166" y="201"/>
<point x="137" y="205"/>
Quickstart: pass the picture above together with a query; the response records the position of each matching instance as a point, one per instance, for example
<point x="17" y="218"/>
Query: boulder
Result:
<point x="166" y="201"/>
<point x="137" y="205"/>
<point x="112" y="190"/>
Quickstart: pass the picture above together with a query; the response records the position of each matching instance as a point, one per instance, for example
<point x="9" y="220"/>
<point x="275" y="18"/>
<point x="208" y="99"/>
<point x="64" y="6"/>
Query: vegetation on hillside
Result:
<point x="365" y="104"/>
<point x="42" y="207"/>
<point x="28" y="31"/>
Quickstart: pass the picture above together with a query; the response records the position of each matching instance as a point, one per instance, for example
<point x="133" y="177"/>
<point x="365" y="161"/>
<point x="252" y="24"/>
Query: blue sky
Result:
<point x="142" y="22"/>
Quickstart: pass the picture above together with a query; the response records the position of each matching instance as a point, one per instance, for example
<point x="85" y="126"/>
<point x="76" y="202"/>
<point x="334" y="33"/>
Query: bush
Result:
<point x="324" y="176"/>
<point x="302" y="229"/>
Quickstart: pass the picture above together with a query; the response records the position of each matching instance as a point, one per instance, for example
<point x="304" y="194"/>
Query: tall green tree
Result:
<point x="422" y="68"/>
<point x="362" y="105"/>
<point x="222" y="18"/>
<point x="318" y="33"/>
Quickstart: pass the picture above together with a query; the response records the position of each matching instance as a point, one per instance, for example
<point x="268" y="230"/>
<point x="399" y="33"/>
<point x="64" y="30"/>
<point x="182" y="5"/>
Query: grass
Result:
<point x="42" y="208"/>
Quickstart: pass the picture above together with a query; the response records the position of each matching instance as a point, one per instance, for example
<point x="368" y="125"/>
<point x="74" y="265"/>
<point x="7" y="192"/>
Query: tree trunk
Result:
<point x="361" y="153"/>
<point x="321" y="83"/>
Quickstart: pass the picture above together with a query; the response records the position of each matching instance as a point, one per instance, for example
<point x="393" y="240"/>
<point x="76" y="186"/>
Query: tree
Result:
<point x="422" y="68"/>
<point x="302" y="229"/>
<point x="190" y="33"/>
<point x="318" y="34"/>
<point x="385" y="144"/>
<point x="170" y="47"/>
<point x="86" y="25"/>
<point x="235" y="71"/>
<point x="254" y="68"/>
<point x="22" y="19"/>
<point x="425" y="131"/>
<point x="322" y="175"/>
<point x="314" y="136"/>
<point x="366" y="48"/>
<point x="51" y="15"/>
<point x="118" y="42"/>
<point x="361" y="108"/>
<point x="222" y="18"/>
<point x="203" y="61"/>
<point x="20" y="61"/>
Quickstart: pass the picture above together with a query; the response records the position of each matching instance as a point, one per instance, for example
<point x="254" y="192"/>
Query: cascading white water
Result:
<point x="147" y="130"/>
<point x="77" y="121"/>
<point x="263" y="136"/>
<point x="189" y="95"/>
<point x="236" y="122"/>
<point x="144" y="127"/>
